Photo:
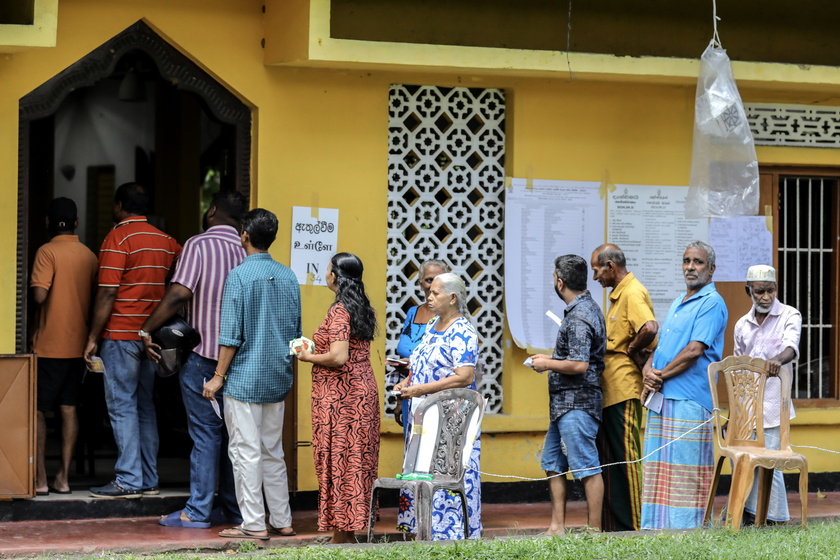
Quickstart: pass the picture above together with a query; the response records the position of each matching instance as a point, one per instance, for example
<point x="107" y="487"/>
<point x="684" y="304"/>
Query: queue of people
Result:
<point x="604" y="369"/>
<point x="667" y="375"/>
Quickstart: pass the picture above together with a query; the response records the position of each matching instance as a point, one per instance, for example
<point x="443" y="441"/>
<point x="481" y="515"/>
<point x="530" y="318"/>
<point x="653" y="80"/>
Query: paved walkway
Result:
<point x="143" y="535"/>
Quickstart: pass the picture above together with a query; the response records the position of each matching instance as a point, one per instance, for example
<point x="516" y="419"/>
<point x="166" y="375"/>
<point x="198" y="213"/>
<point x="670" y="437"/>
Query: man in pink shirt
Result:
<point x="197" y="287"/>
<point x="770" y="331"/>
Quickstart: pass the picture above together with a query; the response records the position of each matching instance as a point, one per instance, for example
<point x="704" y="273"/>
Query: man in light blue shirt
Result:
<point x="676" y="478"/>
<point x="260" y="315"/>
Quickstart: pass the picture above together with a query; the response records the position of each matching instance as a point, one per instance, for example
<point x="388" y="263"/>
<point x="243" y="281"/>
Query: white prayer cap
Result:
<point x="761" y="273"/>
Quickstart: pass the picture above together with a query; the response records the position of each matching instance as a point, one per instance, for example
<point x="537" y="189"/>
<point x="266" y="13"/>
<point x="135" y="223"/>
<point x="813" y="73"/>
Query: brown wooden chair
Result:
<point x="742" y="440"/>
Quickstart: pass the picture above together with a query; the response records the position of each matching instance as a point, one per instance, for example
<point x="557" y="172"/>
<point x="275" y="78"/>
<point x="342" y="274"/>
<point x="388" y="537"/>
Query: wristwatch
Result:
<point x="143" y="334"/>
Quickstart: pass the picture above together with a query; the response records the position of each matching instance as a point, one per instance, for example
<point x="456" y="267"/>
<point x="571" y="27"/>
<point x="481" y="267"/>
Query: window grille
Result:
<point x="794" y="125"/>
<point x="445" y="200"/>
<point x="808" y="211"/>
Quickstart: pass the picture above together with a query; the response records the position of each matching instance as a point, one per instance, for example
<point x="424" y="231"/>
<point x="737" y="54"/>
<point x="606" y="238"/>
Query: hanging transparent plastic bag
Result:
<point x="724" y="167"/>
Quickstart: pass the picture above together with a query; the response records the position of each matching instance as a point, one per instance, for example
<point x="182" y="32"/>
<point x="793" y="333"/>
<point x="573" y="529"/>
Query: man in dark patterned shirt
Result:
<point x="574" y="388"/>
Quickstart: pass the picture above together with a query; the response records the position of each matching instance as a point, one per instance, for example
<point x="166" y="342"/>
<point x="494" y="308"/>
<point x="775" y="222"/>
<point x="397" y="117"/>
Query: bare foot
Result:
<point x="343" y="537"/>
<point x="61" y="487"/>
<point x="551" y="532"/>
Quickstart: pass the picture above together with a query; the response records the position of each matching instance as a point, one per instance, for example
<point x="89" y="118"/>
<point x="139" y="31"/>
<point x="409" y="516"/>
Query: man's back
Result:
<point x="135" y="258"/>
<point x="260" y="315"/>
<point x="204" y="265"/>
<point x="67" y="270"/>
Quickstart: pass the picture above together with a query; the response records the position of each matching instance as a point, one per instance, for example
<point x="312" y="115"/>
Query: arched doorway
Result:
<point x="134" y="109"/>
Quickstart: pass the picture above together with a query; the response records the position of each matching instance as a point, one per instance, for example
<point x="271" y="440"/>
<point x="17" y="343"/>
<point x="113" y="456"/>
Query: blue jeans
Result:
<point x="570" y="445"/>
<point x="129" y="383"/>
<point x="209" y="461"/>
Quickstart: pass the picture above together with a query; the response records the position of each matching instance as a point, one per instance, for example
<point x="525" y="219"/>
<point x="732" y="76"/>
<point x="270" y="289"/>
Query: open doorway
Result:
<point x="135" y="109"/>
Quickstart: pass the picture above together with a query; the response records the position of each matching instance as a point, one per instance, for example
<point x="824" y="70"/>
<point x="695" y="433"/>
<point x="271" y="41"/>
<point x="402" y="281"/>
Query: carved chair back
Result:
<point x="444" y="429"/>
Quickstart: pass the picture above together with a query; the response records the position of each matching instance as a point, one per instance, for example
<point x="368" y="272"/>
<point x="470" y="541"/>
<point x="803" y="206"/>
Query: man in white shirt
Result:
<point x="771" y="330"/>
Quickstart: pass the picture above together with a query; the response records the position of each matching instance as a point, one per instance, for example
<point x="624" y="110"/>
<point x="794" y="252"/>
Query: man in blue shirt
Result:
<point x="260" y="315"/>
<point x="677" y="477"/>
<point x="575" y="398"/>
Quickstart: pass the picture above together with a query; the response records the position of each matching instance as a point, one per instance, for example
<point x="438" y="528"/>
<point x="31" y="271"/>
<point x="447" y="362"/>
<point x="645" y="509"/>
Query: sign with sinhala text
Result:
<point x="314" y="239"/>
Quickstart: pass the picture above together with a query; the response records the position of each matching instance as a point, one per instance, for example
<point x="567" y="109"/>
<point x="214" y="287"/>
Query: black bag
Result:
<point x="176" y="339"/>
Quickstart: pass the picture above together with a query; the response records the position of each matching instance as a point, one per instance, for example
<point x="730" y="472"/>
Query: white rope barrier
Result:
<point x="698" y="426"/>
<point x="635" y="460"/>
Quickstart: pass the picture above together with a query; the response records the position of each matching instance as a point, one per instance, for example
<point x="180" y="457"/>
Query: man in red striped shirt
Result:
<point x="134" y="262"/>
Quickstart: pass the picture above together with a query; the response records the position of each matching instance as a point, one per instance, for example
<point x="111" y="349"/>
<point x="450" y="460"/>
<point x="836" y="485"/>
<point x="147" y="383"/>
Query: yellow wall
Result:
<point x="320" y="139"/>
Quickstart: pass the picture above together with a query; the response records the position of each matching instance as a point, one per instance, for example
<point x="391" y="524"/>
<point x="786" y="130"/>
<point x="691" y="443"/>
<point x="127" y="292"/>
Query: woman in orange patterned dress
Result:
<point x="345" y="403"/>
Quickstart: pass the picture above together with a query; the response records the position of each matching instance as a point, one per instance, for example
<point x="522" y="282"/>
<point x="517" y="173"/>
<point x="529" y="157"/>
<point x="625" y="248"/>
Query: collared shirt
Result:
<point x="260" y="315"/>
<point x="702" y="318"/>
<point x="67" y="270"/>
<point x="630" y="308"/>
<point x="581" y="338"/>
<point x="135" y="258"/>
<point x="203" y="267"/>
<point x="781" y="329"/>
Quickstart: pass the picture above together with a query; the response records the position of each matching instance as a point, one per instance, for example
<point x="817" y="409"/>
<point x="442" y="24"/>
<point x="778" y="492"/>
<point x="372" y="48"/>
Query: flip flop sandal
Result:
<point x="240" y="533"/>
<point x="273" y="530"/>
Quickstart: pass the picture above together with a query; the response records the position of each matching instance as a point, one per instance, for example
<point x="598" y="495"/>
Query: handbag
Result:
<point x="176" y="339"/>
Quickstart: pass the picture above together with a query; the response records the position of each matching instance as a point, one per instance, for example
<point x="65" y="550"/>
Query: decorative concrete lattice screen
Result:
<point x="446" y="174"/>
<point x="794" y="125"/>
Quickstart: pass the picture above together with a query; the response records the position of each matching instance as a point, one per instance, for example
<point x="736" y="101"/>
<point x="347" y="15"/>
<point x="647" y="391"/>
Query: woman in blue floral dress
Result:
<point x="445" y="359"/>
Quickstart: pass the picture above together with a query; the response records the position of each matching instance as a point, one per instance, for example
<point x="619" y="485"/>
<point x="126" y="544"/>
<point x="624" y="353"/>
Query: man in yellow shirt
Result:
<point x="631" y="331"/>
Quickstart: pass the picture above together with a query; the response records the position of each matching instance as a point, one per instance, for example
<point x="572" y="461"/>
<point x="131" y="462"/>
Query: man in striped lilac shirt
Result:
<point x="134" y="262"/>
<point x="197" y="285"/>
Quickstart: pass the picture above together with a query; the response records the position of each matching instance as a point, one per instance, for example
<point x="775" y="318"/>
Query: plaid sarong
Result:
<point x="676" y="479"/>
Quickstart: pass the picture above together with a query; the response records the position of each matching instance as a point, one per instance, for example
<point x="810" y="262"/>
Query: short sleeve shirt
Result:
<point x="781" y="329"/>
<point x="260" y="315"/>
<point x="630" y="308"/>
<point x="440" y="353"/>
<point x="701" y="318"/>
<point x="67" y="270"/>
<point x="203" y="267"/>
<point x="582" y="337"/>
<point x="135" y="258"/>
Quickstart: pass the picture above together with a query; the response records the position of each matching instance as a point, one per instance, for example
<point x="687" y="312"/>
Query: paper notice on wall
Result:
<point x="649" y="224"/>
<point x="546" y="219"/>
<point x="314" y="240"/>
<point x="740" y="243"/>
<point x="543" y="220"/>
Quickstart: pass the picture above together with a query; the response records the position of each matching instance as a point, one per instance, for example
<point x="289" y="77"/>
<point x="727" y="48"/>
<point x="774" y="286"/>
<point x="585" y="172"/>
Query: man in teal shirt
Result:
<point x="676" y="478"/>
<point x="260" y="315"/>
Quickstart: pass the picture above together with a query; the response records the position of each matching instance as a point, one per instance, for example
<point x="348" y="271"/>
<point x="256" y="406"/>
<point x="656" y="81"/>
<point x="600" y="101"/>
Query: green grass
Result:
<point x="819" y="541"/>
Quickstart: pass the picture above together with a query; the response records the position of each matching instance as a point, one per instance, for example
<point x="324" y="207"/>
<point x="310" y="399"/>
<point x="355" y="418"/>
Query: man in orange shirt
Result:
<point x="134" y="262"/>
<point x="63" y="279"/>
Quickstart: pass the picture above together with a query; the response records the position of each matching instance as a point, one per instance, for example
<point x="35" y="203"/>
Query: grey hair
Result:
<point x="703" y="246"/>
<point x="452" y="284"/>
<point x="610" y="252"/>
<point x="435" y="262"/>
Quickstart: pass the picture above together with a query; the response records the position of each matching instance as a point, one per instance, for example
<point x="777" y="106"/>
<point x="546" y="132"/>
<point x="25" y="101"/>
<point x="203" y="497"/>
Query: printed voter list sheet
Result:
<point x="649" y="224"/>
<point x="543" y="220"/>
<point x="740" y="243"/>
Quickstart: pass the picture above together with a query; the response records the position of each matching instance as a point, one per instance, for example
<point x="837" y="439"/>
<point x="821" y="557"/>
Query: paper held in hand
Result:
<point x="298" y="344"/>
<point x="654" y="401"/>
